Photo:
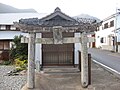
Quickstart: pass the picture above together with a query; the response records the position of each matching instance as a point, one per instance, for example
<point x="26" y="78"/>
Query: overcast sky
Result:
<point x="98" y="8"/>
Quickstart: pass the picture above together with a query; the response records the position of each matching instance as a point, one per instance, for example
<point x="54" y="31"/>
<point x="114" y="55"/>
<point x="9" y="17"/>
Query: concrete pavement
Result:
<point x="69" y="79"/>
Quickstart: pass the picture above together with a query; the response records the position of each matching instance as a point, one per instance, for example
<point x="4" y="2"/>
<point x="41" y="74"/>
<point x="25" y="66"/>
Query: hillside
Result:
<point x="9" y="9"/>
<point x="87" y="16"/>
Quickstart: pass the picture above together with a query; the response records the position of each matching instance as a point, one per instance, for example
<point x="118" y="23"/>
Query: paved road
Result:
<point x="107" y="58"/>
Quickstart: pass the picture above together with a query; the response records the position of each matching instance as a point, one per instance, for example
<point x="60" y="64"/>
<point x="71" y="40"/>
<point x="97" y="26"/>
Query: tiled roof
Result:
<point x="57" y="18"/>
<point x="9" y="18"/>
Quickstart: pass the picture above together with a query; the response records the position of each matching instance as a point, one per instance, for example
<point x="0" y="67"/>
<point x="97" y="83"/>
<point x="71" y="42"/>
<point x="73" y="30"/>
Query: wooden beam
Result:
<point x="84" y="60"/>
<point x="31" y="61"/>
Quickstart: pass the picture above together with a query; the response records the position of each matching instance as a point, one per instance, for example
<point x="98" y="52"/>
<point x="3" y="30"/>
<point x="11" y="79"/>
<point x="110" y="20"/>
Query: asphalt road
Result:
<point x="107" y="58"/>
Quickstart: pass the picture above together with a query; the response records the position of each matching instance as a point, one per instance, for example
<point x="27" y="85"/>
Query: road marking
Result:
<point x="106" y="66"/>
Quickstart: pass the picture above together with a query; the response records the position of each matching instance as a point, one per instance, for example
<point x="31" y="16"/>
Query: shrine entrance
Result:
<point x="58" y="29"/>
<point x="58" y="54"/>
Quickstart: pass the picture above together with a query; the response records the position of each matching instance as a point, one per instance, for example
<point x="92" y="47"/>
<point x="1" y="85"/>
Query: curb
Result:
<point x="109" y="69"/>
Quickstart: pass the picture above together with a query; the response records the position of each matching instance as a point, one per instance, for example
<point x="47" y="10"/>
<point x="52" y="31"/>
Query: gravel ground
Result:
<point x="10" y="82"/>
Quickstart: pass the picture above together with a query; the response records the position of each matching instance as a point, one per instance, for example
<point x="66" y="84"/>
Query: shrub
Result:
<point x="19" y="53"/>
<point x="22" y="64"/>
<point x="19" y="50"/>
<point x="5" y="63"/>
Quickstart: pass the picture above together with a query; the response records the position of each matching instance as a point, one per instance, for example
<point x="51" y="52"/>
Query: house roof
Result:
<point x="57" y="12"/>
<point x="57" y="18"/>
<point x="9" y="18"/>
<point x="112" y="16"/>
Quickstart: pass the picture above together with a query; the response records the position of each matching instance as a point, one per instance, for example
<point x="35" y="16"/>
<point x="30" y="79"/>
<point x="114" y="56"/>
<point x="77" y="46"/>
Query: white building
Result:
<point x="109" y="29"/>
<point x="8" y="31"/>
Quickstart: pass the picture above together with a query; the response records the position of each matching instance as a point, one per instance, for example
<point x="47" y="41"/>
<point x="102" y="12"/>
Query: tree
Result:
<point x="19" y="50"/>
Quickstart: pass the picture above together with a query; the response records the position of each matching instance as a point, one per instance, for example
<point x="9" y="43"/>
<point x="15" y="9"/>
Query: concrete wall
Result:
<point x="118" y="26"/>
<point x="38" y="49"/>
<point x="108" y="44"/>
<point x="104" y="34"/>
<point x="76" y="48"/>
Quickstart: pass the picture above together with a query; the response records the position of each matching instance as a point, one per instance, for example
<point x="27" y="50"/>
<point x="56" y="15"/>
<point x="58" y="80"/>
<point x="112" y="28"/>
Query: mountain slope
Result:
<point x="9" y="9"/>
<point x="87" y="16"/>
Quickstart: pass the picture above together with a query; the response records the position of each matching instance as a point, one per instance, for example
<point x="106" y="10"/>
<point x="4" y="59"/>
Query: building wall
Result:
<point x="38" y="49"/>
<point x="11" y="34"/>
<point x="76" y="48"/>
<point x="118" y="21"/>
<point x="107" y="40"/>
<point x="6" y="42"/>
<point x="118" y="26"/>
<point x="108" y="33"/>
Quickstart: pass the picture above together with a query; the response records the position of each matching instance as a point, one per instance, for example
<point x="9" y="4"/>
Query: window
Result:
<point x="2" y="27"/>
<point x="102" y="40"/>
<point x="1" y="45"/>
<point x="12" y="27"/>
<point x="112" y="23"/>
<point x="4" y="45"/>
<point x="17" y="28"/>
<point x="8" y="27"/>
<point x="105" y="25"/>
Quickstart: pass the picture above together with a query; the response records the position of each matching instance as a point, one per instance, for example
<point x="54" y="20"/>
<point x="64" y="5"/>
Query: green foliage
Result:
<point x="19" y="53"/>
<point x="21" y="64"/>
<point x="5" y="63"/>
<point x="19" y="50"/>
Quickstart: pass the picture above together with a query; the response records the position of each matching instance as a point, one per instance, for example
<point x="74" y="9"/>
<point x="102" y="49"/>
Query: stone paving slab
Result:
<point x="69" y="79"/>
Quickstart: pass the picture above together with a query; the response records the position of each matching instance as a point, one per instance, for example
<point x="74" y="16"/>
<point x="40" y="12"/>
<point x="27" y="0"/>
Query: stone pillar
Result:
<point x="38" y="66"/>
<point x="84" y="60"/>
<point x="31" y="61"/>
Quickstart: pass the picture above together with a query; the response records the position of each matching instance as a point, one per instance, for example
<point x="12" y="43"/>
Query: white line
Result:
<point x="106" y="66"/>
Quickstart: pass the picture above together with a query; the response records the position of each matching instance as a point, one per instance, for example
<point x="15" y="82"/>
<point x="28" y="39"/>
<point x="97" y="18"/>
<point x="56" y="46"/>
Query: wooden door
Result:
<point x="57" y="54"/>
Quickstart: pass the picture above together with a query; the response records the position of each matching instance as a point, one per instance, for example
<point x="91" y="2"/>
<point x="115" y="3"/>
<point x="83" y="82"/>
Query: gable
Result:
<point x="58" y="18"/>
<point x="57" y="14"/>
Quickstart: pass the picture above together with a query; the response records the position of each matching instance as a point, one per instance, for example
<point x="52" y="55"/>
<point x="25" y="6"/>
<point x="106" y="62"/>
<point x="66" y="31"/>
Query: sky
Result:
<point x="97" y="8"/>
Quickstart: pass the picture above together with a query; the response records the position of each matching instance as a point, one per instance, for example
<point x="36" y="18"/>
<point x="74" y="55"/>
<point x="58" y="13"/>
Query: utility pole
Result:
<point x="115" y="35"/>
